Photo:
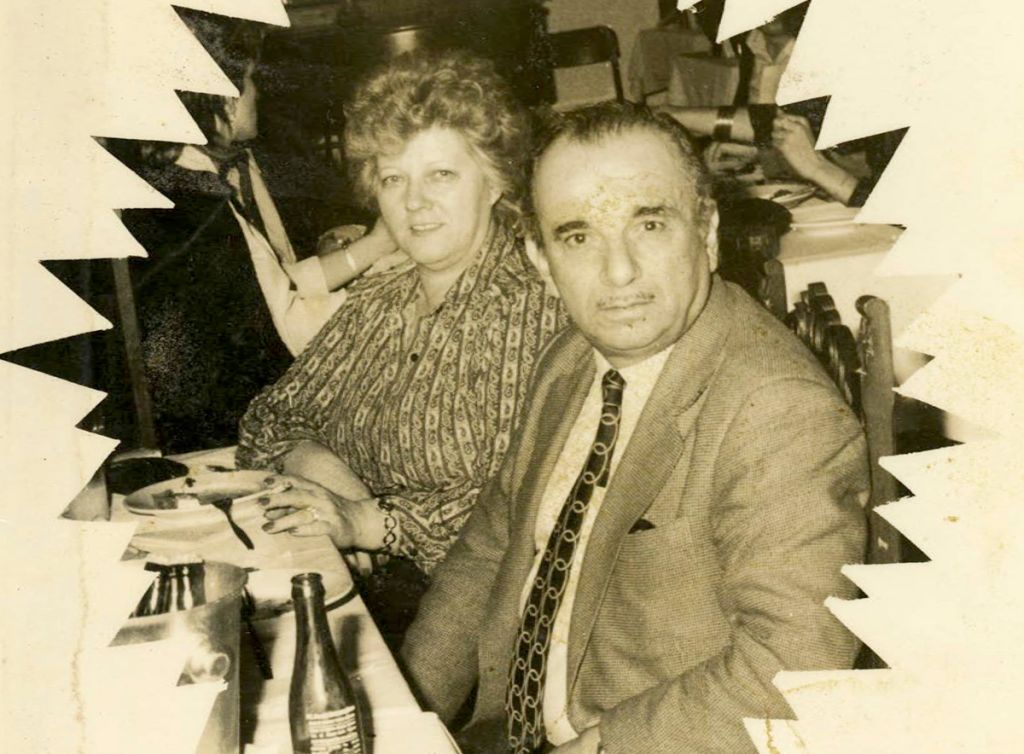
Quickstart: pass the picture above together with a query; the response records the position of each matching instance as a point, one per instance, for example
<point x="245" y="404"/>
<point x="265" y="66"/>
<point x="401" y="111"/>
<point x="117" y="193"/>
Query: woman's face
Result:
<point x="435" y="198"/>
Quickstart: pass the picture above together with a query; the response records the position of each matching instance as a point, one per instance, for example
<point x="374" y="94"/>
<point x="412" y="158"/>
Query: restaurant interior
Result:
<point x="789" y="242"/>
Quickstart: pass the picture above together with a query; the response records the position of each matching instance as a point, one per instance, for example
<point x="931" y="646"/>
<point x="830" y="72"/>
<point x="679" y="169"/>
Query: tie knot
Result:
<point x="612" y="385"/>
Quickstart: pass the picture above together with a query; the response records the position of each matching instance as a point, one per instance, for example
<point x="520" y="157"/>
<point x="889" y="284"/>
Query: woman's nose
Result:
<point x="415" y="196"/>
<point x="620" y="267"/>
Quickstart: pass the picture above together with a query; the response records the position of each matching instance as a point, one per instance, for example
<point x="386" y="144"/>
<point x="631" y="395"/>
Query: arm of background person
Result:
<point x="700" y="121"/>
<point x="792" y="136"/>
<point x="791" y="481"/>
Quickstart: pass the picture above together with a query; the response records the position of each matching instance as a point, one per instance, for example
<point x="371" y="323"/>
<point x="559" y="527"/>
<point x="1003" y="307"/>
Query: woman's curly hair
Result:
<point x="454" y="90"/>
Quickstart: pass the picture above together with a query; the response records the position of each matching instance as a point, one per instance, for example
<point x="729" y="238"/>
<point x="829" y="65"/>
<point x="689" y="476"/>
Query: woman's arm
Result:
<point x="344" y="258"/>
<point x="317" y="463"/>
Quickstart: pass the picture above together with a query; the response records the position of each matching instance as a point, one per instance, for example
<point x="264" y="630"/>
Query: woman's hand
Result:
<point x="309" y="510"/>
<point x="339" y="237"/>
<point x="317" y="463"/>
<point x="390" y="256"/>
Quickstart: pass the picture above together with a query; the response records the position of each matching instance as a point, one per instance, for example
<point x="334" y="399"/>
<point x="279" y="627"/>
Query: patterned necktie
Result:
<point x="524" y="697"/>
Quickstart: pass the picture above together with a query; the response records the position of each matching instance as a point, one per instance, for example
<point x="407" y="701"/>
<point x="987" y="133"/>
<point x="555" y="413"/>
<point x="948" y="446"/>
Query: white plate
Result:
<point x="823" y="216"/>
<point x="190" y="495"/>
<point x="786" y="194"/>
<point x="271" y="589"/>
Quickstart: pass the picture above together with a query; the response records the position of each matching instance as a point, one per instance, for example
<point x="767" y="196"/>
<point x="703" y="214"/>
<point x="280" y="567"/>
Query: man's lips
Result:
<point x="624" y="305"/>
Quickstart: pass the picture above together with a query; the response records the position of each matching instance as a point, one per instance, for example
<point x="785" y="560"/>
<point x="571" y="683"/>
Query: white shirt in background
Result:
<point x="766" y="74"/>
<point x="296" y="292"/>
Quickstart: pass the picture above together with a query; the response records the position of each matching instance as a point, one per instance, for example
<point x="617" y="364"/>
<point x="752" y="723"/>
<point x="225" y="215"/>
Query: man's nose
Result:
<point x="620" y="267"/>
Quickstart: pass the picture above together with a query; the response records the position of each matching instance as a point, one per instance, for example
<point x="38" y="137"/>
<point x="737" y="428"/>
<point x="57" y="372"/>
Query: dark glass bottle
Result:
<point x="322" y="707"/>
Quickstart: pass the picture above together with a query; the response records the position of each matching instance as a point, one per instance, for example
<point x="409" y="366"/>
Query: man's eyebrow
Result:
<point x="653" y="211"/>
<point x="570" y="226"/>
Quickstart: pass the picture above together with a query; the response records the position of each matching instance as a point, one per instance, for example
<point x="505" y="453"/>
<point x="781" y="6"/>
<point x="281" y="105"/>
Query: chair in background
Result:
<point x="862" y="368"/>
<point x="583" y="60"/>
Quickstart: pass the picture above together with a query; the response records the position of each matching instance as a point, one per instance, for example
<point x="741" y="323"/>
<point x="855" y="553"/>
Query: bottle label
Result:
<point x="334" y="732"/>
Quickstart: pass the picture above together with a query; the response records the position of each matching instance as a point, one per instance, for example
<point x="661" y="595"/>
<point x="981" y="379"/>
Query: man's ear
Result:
<point x="535" y="254"/>
<point x="711" y="240"/>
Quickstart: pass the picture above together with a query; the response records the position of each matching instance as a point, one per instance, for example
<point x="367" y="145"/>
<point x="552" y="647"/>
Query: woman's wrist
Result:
<point x="374" y="524"/>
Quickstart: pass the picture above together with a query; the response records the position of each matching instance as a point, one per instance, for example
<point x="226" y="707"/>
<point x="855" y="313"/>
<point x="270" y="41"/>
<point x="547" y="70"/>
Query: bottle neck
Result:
<point x="313" y="633"/>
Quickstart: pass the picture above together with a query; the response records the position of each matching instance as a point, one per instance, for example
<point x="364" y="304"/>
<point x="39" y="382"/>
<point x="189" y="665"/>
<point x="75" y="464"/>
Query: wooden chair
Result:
<point x="587" y="47"/>
<point x="862" y="368"/>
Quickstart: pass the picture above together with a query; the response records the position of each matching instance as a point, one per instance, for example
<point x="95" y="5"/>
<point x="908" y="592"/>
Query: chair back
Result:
<point x="862" y="368"/>
<point x="596" y="49"/>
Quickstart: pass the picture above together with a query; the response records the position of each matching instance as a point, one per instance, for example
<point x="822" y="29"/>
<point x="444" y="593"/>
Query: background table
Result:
<point x="398" y="723"/>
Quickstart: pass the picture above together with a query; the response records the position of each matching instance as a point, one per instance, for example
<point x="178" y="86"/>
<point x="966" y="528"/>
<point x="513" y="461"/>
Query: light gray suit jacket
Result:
<point x="754" y="473"/>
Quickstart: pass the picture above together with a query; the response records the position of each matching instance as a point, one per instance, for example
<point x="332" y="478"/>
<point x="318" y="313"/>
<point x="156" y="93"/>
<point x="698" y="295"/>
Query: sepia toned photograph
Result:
<point x="505" y="377"/>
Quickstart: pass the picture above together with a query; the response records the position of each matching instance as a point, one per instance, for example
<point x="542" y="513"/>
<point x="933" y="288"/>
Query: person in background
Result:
<point x="789" y="132"/>
<point x="404" y="405"/>
<point x="679" y="503"/>
<point x="224" y="302"/>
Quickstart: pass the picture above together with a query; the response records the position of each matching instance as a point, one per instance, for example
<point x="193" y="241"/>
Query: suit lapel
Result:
<point x="653" y="452"/>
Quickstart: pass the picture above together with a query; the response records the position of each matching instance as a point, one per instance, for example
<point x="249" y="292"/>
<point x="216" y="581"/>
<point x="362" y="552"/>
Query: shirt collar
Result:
<point x="640" y="377"/>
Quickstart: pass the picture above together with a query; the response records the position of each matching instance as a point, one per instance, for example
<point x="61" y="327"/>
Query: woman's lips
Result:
<point x="422" y="228"/>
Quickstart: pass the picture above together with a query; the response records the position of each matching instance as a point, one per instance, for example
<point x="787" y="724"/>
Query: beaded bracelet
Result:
<point x="386" y="507"/>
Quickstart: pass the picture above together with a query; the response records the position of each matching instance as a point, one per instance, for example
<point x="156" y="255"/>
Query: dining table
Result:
<point x="397" y="723"/>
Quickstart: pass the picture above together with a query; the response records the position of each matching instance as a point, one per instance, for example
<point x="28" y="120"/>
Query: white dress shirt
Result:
<point x="766" y="74"/>
<point x="296" y="292"/>
<point x="640" y="379"/>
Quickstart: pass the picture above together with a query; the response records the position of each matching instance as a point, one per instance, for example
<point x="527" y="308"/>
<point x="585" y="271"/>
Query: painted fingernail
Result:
<point x="263" y="500"/>
<point x="268" y="526"/>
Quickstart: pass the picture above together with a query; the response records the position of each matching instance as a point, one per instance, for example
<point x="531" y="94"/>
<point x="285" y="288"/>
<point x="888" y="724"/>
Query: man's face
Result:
<point x="624" y="242"/>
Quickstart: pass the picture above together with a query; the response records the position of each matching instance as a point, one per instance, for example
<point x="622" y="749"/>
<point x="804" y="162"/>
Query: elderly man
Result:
<point x="679" y="500"/>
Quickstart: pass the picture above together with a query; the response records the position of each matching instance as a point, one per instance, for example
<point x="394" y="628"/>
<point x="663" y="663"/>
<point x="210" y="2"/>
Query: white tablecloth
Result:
<point x="399" y="725"/>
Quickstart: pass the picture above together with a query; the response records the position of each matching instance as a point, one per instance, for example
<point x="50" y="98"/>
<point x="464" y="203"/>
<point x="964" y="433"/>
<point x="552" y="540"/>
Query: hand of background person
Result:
<point x="792" y="136"/>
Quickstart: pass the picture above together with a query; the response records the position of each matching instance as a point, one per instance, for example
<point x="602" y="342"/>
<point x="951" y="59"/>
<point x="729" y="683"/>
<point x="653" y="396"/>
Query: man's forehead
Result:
<point x="618" y="174"/>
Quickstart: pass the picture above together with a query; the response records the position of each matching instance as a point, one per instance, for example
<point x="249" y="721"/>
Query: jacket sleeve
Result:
<point x="790" y="486"/>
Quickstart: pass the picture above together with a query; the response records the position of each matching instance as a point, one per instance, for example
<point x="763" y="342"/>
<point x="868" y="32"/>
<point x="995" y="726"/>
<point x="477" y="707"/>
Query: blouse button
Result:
<point x="414" y="357"/>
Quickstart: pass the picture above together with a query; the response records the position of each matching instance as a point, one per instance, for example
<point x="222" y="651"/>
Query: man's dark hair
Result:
<point x="590" y="125"/>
